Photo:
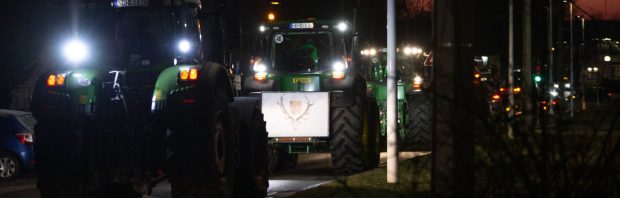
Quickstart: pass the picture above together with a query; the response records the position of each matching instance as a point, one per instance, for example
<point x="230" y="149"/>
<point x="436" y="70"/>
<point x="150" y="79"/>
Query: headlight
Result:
<point x="184" y="46"/>
<point x="342" y="26"/>
<point x="372" y="52"/>
<point x="338" y="70"/>
<point x="260" y="70"/>
<point x="417" y="80"/>
<point x="338" y="66"/>
<point x="259" y="67"/>
<point x="75" y="51"/>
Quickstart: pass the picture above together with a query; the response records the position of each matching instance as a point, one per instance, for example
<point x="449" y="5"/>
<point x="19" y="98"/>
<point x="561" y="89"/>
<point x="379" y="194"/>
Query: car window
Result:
<point x="27" y="120"/>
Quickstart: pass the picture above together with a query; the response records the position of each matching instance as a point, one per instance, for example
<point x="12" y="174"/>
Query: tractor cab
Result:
<point x="306" y="47"/>
<point x="156" y="34"/>
<point x="310" y="50"/>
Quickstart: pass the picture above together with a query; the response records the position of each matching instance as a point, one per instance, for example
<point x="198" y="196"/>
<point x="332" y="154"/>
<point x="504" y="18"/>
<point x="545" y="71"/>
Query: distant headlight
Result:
<point x="75" y="51"/>
<point x="338" y="70"/>
<point x="184" y="46"/>
<point x="338" y="66"/>
<point x="259" y="67"/>
<point x="417" y="79"/>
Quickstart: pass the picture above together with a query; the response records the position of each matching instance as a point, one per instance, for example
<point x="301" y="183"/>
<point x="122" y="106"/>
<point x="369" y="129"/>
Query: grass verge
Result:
<point x="414" y="181"/>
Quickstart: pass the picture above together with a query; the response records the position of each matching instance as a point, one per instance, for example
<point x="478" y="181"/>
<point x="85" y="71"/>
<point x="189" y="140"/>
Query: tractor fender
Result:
<point x="168" y="91"/>
<point x="342" y="92"/>
<point x="77" y="95"/>
<point x="216" y="73"/>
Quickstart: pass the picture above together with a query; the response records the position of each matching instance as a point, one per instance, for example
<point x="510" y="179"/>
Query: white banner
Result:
<point x="296" y="114"/>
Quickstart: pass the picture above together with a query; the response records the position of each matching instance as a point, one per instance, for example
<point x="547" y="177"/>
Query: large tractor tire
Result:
<point x="348" y="127"/>
<point x="201" y="155"/>
<point x="372" y="139"/>
<point x="420" y="110"/>
<point x="253" y="173"/>
<point x="61" y="164"/>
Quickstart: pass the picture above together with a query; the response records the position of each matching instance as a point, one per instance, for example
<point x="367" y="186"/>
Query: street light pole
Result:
<point x="550" y="48"/>
<point x="582" y="47"/>
<point x="392" y="145"/>
<point x="511" y="96"/>
<point x="571" y="59"/>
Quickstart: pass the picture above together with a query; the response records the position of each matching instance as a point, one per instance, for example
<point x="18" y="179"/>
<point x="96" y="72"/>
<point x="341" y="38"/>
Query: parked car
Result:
<point x="16" y="138"/>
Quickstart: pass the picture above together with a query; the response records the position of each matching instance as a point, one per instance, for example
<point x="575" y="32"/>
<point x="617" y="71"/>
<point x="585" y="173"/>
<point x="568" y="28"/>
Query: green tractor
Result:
<point x="313" y="97"/>
<point x="414" y="94"/>
<point x="162" y="112"/>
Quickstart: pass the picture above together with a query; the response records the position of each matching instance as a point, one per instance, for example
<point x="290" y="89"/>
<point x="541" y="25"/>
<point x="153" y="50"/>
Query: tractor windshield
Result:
<point x="147" y="36"/>
<point x="301" y="51"/>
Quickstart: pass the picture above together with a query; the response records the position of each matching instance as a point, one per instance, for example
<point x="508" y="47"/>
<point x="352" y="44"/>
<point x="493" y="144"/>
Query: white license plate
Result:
<point x="302" y="25"/>
<point x="296" y="114"/>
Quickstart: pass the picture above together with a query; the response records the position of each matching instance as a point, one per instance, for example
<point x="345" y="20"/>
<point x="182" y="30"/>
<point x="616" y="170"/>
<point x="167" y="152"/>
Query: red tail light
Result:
<point x="25" y="138"/>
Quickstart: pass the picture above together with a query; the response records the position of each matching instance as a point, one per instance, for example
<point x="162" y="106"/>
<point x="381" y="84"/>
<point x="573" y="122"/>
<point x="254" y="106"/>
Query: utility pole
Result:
<point x="550" y="48"/>
<point x="455" y="100"/>
<point x="583" y="52"/>
<point x="392" y="144"/>
<point x="511" y="54"/>
<point x="527" y="62"/>
<point x="572" y="66"/>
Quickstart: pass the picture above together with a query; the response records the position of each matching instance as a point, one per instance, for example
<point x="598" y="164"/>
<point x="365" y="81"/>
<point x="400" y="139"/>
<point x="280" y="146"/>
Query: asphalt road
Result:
<point x="312" y="170"/>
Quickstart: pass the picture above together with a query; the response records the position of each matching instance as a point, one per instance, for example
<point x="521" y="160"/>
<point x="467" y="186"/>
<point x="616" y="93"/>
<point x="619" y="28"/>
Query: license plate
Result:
<point x="302" y="80"/>
<point x="302" y="25"/>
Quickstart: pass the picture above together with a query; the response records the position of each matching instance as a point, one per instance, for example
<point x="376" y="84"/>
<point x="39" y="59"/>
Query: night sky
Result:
<point x="600" y="9"/>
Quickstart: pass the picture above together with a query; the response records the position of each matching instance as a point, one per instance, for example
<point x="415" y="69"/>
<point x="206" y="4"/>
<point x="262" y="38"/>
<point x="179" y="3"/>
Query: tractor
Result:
<point x="161" y="110"/>
<point x="313" y="96"/>
<point x="414" y="93"/>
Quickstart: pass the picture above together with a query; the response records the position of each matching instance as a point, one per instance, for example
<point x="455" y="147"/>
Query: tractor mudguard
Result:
<point x="76" y="96"/>
<point x="168" y="90"/>
<point x="342" y="92"/>
<point x="179" y="100"/>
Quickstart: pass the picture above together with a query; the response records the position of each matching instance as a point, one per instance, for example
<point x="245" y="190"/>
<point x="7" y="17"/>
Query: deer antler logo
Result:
<point x="296" y="111"/>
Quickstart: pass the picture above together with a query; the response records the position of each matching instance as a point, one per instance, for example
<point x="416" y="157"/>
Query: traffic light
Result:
<point x="537" y="78"/>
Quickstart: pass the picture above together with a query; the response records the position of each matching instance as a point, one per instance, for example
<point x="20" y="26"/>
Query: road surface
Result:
<point x="312" y="170"/>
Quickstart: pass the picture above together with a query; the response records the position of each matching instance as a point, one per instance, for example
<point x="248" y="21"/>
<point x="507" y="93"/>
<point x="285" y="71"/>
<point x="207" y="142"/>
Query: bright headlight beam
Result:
<point x="372" y="52"/>
<point x="553" y="93"/>
<point x="338" y="66"/>
<point x="259" y="67"/>
<point x="184" y="46"/>
<point x="417" y="79"/>
<point x="342" y="26"/>
<point x="75" y="51"/>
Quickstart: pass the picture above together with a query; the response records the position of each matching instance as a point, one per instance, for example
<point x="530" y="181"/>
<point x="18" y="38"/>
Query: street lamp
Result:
<point x="412" y="51"/>
<point x="607" y="58"/>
